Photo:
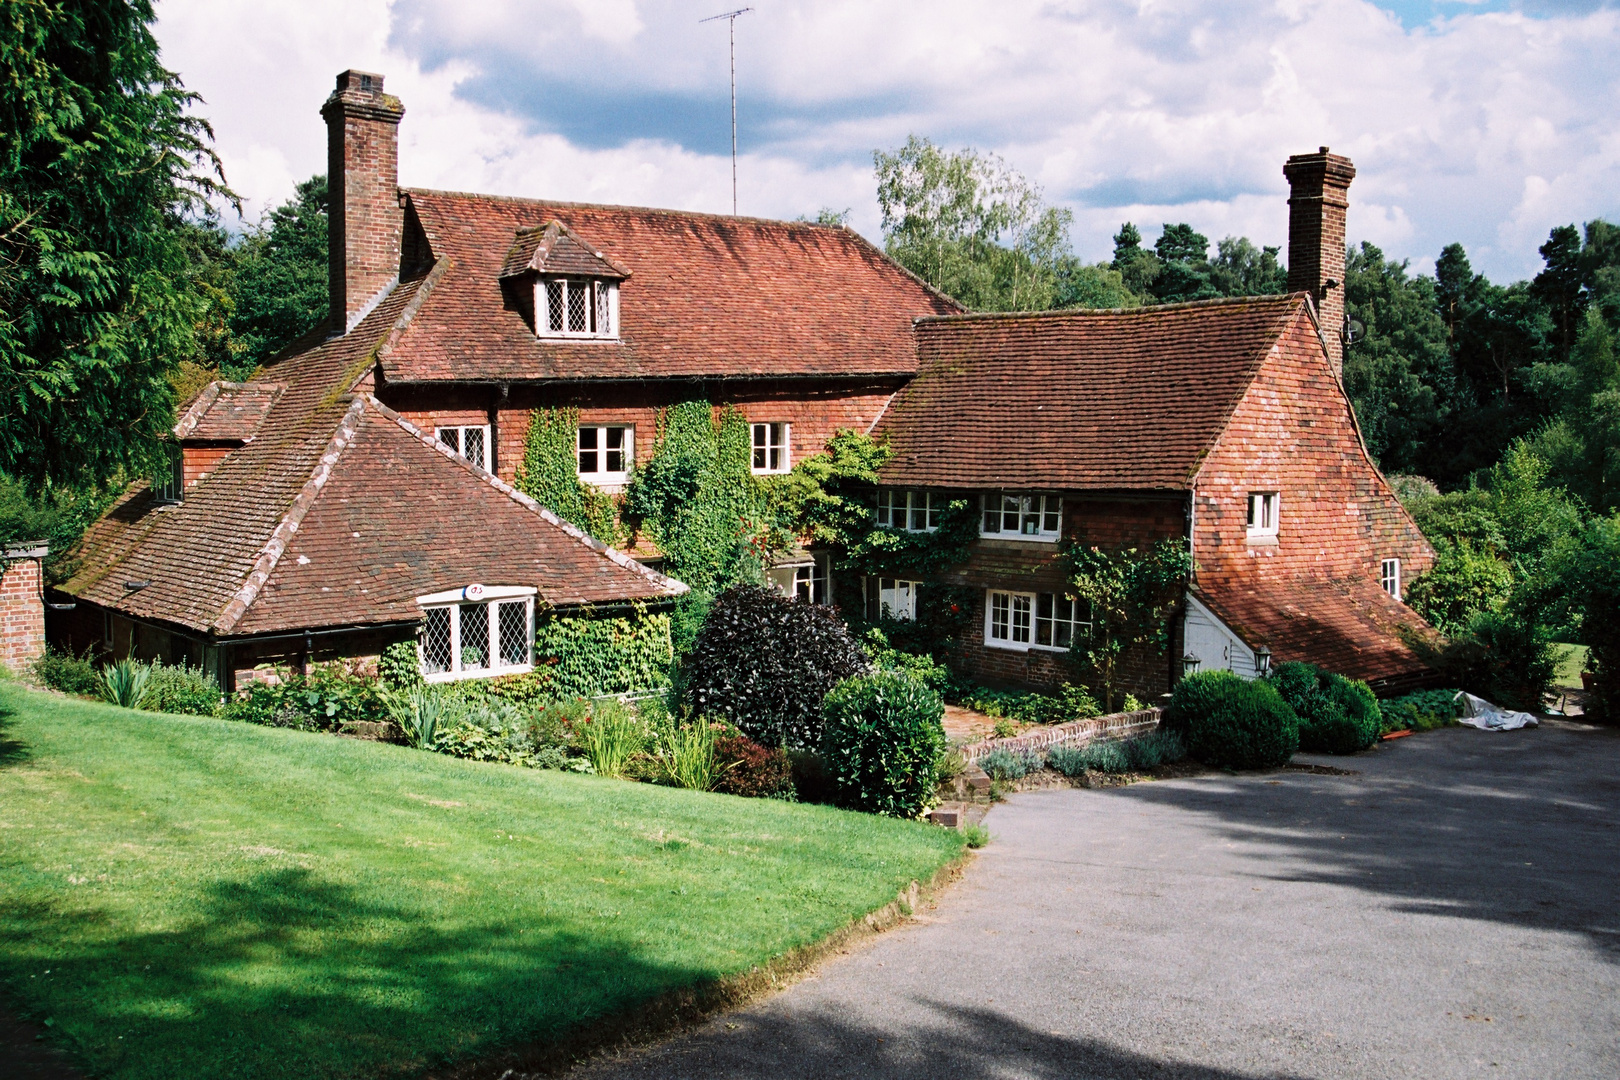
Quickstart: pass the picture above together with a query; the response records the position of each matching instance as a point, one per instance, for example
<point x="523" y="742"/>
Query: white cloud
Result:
<point x="1157" y="111"/>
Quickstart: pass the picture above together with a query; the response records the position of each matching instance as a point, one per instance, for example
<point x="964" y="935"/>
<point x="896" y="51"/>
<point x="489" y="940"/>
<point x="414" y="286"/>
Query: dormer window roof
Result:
<point x="576" y="287"/>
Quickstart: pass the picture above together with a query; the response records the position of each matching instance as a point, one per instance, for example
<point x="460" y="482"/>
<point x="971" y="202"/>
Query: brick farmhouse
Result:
<point x="358" y="491"/>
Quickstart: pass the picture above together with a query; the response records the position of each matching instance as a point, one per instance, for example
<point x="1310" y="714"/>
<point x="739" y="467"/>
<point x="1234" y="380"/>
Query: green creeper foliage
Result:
<point x="549" y="474"/>
<point x="1336" y="715"/>
<point x="698" y="499"/>
<point x="764" y="662"/>
<point x="882" y="742"/>
<point x="101" y="158"/>
<point x="1241" y="725"/>
<point x="1131" y="594"/>
<point x="1422" y="711"/>
<point x="593" y="657"/>
<point x="400" y="666"/>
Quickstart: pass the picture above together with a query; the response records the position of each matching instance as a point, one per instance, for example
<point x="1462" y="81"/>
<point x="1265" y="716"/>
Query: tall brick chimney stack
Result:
<point x="363" y="217"/>
<point x="1319" y="186"/>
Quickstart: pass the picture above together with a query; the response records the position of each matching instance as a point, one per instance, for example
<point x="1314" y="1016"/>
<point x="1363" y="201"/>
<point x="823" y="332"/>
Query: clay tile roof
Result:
<point x="707" y="296"/>
<point x="228" y="411"/>
<point x="1102" y="399"/>
<point x="226" y="559"/>
<point x="1350" y="626"/>
<point x="556" y="249"/>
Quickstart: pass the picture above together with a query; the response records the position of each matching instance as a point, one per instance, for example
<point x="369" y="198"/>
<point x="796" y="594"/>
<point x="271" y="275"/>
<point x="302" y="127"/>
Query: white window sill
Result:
<point x="1021" y="538"/>
<point x="1012" y="646"/>
<point x="480" y="673"/>
<point x="770" y="472"/>
<point x="613" y="483"/>
<point x="577" y="337"/>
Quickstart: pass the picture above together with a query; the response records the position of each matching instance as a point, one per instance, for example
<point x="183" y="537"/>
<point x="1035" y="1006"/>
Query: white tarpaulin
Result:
<point x="1477" y="712"/>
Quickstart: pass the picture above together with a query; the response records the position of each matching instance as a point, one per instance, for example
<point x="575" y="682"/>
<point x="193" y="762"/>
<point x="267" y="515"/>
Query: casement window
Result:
<point x="606" y="453"/>
<point x="1263" y="511"/>
<point x="1389" y="576"/>
<point x="169" y="482"/>
<point x="807" y="581"/>
<point x="771" y="448"/>
<point x="891" y="598"/>
<point x="477" y="631"/>
<point x="576" y="307"/>
<point x="1045" y="621"/>
<point x="1027" y="517"/>
<point x="913" y="511"/>
<point x="471" y="441"/>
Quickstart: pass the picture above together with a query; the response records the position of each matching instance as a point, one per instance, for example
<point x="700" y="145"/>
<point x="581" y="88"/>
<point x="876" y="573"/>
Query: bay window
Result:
<point x="477" y="631"/>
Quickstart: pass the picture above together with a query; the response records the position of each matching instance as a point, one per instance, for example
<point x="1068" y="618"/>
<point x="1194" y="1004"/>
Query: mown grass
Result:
<point x="191" y="897"/>
<point x="1571" y="662"/>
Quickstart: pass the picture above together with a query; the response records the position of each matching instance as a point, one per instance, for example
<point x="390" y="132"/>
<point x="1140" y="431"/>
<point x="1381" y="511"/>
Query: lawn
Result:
<point x="192" y="897"/>
<point x="1571" y="661"/>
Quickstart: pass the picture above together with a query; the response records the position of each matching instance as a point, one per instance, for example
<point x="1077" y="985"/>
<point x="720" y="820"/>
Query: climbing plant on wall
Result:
<point x="1132" y="594"/>
<point x="591" y="657"/>
<point x="549" y="474"/>
<point x="698" y="499"/>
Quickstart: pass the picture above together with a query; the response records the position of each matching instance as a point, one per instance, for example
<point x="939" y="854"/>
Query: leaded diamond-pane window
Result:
<point x="470" y="441"/>
<point x="474" y="636"/>
<point x="514" y="632"/>
<point x="576" y="307"/>
<point x="436" y="641"/>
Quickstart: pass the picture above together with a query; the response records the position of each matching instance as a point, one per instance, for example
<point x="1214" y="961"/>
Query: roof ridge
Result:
<point x="674" y="587"/>
<point x="276" y="546"/>
<point x="1143" y="309"/>
<point x="535" y="201"/>
<point x="385" y="347"/>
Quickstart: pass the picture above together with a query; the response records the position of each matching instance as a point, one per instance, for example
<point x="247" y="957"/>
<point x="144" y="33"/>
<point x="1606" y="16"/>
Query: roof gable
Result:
<point x="1123" y="399"/>
<point x="228" y="411"/>
<point x="706" y="296"/>
<point x="557" y="249"/>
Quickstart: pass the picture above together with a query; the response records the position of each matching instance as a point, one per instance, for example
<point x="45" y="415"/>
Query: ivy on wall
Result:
<point x="549" y="474"/>
<point x="592" y="657"/>
<point x="699" y="501"/>
<point x="1131" y="594"/>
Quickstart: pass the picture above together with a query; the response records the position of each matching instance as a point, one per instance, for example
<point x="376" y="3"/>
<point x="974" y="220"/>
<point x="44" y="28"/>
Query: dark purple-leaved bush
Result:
<point x="764" y="662"/>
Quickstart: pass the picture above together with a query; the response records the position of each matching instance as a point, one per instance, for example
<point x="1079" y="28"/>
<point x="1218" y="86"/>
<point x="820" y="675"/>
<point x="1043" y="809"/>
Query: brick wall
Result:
<point x="22" y="613"/>
<point x="1294" y="434"/>
<point x="197" y="462"/>
<point x="363" y="213"/>
<point x="815" y="410"/>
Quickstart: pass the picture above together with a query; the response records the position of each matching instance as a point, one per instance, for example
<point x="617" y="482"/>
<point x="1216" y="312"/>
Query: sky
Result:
<point x="1485" y="122"/>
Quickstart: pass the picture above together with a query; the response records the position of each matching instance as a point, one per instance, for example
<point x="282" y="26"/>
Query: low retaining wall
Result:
<point x="1113" y="726"/>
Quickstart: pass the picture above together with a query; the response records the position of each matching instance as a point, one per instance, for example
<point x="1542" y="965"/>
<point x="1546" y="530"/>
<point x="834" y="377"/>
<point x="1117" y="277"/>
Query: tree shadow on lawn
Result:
<point x="12" y="750"/>
<point x="1516" y="827"/>
<point x="965" y="1044"/>
<point x="283" y="974"/>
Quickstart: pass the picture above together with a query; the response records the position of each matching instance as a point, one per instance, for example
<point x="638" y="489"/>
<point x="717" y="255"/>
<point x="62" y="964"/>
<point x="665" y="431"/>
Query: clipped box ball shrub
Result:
<point x="747" y="768"/>
<point x="1196" y="695"/>
<point x="1247" y="726"/>
<point x="764" y="662"/>
<point x="881" y="743"/>
<point x="1336" y="715"/>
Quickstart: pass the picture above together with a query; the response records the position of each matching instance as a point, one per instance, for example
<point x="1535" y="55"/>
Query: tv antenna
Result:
<point x="731" y="21"/>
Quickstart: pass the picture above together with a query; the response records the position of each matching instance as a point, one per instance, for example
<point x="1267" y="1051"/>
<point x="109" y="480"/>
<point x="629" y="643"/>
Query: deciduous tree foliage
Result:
<point x="101" y="159"/>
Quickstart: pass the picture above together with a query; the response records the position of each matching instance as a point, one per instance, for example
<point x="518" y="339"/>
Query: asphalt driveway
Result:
<point x="1452" y="910"/>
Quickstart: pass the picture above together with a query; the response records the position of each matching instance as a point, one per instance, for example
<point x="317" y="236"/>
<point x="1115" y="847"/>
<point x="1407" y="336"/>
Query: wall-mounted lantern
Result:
<point x="1189" y="664"/>
<point x="1262" y="661"/>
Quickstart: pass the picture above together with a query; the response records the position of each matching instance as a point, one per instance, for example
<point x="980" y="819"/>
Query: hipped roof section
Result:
<point x="314" y="522"/>
<point x="1107" y="400"/>
<point x="707" y="297"/>
<point x="557" y="249"/>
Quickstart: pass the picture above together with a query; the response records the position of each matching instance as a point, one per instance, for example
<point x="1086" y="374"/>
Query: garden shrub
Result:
<point x="1422" y="711"/>
<point x="881" y="743"/>
<point x="1155" y="748"/>
<point x="747" y="768"/>
<point x="811" y="782"/>
<point x="1336" y="715"/>
<point x="400" y="667"/>
<point x="764" y="662"/>
<point x="1247" y="726"/>
<point x="180" y="689"/>
<point x="1005" y="764"/>
<point x="1095" y="755"/>
<point x="68" y="673"/>
<point x="595" y="657"/>
<point x="1029" y="707"/>
<point x="611" y="736"/>
<point x="324" y="700"/>
<point x="1197" y="695"/>
<point x="125" y="683"/>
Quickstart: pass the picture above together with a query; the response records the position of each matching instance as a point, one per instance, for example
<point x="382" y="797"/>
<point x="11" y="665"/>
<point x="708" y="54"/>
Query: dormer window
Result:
<point x="169" y="481"/>
<point x="577" y="307"/>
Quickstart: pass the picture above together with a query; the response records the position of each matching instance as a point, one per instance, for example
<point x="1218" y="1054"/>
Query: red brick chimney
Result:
<point x="1319" y="186"/>
<point x="363" y="217"/>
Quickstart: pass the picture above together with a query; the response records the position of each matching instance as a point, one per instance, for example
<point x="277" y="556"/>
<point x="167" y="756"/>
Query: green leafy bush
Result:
<point x="1029" y="707"/>
<point x="423" y="713"/>
<point x="976" y="836"/>
<point x="747" y="768"/>
<point x="125" y="683"/>
<point x="596" y="657"/>
<point x="68" y="673"/>
<point x="881" y="743"/>
<point x="1422" y="711"/>
<point x="1005" y="764"/>
<point x="324" y="700"/>
<point x="1248" y="726"/>
<point x="764" y="662"/>
<point x="1336" y="715"/>
<point x="611" y="736"/>
<point x="181" y="689"/>
<point x="1506" y="657"/>
<point x="1197" y="695"/>
<point x="400" y="667"/>
<point x="1096" y="755"/>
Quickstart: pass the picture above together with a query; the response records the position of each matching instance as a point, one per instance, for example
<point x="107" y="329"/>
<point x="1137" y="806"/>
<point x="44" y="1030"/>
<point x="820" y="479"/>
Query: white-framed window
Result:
<point x="605" y="452"/>
<point x="1389" y="576"/>
<point x="807" y="581"/>
<point x="891" y="598"/>
<point x="1046" y="621"/>
<point x="477" y="631"/>
<point x="471" y="441"/>
<point x="913" y="511"/>
<point x="576" y="307"/>
<point x="1263" y="511"/>
<point x="1026" y="517"/>
<point x="771" y="448"/>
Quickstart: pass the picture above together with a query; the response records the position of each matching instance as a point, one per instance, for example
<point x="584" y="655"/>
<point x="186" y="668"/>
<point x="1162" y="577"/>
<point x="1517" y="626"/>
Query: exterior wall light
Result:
<point x="1189" y="664"/>
<point x="1262" y="661"/>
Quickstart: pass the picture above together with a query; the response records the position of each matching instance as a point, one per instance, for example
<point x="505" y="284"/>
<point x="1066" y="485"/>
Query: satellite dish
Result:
<point x="1353" y="331"/>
